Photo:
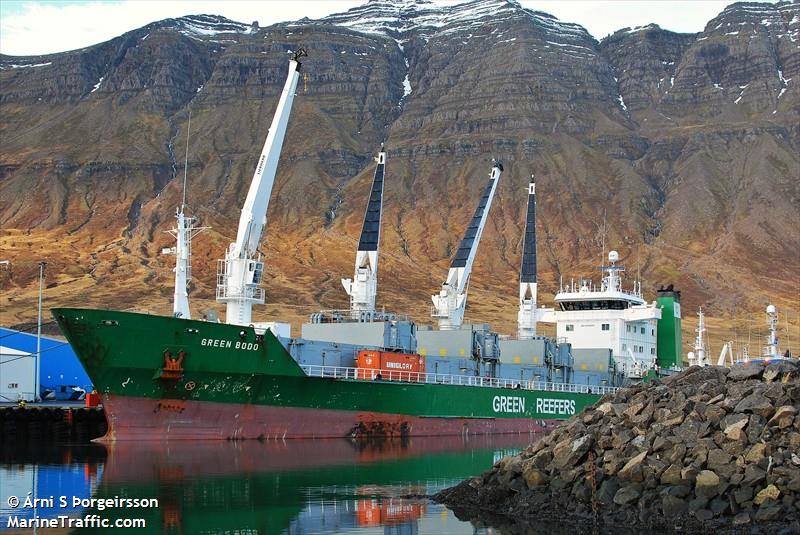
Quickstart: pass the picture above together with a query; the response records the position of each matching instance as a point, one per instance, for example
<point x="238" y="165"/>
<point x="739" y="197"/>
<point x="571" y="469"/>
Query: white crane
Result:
<point x="727" y="351"/>
<point x="526" y="317"/>
<point x="450" y="302"/>
<point x="363" y="287"/>
<point x="239" y="275"/>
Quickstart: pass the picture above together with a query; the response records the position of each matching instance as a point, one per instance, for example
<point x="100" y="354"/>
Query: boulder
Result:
<point x="704" y="515"/>
<point x="632" y="471"/>
<point x="768" y="512"/>
<point x="714" y="413"/>
<point x="626" y="495"/>
<point x="672" y="506"/>
<point x="757" y="404"/>
<point x="753" y="475"/>
<point x="743" y="494"/>
<point x="534" y="477"/>
<point x="770" y="492"/>
<point x="734" y="421"/>
<point x="718" y="457"/>
<point x="783" y="417"/>
<point x="607" y="491"/>
<point x="707" y="483"/>
<point x="672" y="475"/>
<point x="741" y="519"/>
<point x="755" y="453"/>
<point x="745" y="372"/>
<point x="569" y="452"/>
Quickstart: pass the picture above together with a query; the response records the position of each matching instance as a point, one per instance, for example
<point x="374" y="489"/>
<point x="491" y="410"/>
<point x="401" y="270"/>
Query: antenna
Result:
<point x="638" y="268"/>
<point x="603" y="239"/>
<point x="186" y="159"/>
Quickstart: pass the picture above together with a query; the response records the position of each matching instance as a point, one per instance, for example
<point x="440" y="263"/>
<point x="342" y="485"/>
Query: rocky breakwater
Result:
<point x="707" y="450"/>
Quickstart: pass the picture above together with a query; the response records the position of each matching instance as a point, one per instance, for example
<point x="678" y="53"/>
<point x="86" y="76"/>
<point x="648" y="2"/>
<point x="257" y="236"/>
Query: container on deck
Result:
<point x="92" y="399"/>
<point x="390" y="366"/>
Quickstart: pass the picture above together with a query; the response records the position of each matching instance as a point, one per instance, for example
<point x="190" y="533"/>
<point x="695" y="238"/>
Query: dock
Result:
<point x="54" y="423"/>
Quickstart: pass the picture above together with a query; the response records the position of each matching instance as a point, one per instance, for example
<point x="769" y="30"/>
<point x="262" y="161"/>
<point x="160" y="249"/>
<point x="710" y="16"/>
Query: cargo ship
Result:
<point x="360" y="373"/>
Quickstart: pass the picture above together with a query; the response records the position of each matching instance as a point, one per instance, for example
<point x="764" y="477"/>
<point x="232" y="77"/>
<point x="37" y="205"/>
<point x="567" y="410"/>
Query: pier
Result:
<point x="50" y="423"/>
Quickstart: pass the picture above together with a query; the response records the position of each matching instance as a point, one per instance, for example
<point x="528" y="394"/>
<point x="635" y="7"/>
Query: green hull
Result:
<point x="231" y="383"/>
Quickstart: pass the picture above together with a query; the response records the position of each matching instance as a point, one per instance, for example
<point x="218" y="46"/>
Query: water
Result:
<point x="295" y="487"/>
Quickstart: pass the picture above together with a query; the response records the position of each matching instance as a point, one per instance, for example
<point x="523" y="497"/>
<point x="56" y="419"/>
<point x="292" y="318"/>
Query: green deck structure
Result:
<point x="669" y="340"/>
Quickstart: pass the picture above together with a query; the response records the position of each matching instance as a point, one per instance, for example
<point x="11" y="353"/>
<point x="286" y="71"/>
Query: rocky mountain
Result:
<point x="679" y="150"/>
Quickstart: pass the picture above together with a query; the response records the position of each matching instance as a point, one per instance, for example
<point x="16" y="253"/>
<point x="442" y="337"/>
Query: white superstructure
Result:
<point x="450" y="302"/>
<point x="608" y="316"/>
<point x="239" y="274"/>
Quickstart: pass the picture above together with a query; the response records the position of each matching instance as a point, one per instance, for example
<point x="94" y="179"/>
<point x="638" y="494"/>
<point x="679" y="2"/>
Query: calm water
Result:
<point x="293" y="487"/>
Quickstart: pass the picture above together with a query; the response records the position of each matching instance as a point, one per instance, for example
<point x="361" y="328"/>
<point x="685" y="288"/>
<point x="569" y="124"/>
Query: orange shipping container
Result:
<point x="92" y="399"/>
<point x="391" y="366"/>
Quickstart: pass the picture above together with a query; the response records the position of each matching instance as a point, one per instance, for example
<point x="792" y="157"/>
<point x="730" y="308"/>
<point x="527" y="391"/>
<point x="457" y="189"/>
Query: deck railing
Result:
<point x="341" y="372"/>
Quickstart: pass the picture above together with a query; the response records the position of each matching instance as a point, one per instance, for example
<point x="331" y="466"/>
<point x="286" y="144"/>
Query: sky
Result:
<point x="46" y="26"/>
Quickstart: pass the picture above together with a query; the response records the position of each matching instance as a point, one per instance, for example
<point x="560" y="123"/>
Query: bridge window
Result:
<point x="642" y="330"/>
<point x="570" y="327"/>
<point x="605" y="326"/>
<point x="605" y="304"/>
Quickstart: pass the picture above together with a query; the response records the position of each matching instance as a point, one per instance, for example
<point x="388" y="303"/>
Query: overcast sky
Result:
<point x="46" y="26"/>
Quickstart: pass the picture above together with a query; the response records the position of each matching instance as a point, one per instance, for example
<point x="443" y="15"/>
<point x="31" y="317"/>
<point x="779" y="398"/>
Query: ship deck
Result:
<point x="361" y="374"/>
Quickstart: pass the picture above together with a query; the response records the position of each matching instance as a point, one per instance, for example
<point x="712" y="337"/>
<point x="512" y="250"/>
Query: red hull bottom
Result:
<point x="152" y="419"/>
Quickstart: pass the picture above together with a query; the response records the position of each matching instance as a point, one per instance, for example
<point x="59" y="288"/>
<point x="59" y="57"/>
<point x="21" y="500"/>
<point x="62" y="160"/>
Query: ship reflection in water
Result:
<point x="292" y="487"/>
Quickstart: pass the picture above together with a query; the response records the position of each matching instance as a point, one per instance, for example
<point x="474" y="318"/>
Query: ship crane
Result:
<point x="239" y="274"/>
<point x="363" y="287"/>
<point x="727" y="351"/>
<point x="450" y="302"/>
<point x="526" y="318"/>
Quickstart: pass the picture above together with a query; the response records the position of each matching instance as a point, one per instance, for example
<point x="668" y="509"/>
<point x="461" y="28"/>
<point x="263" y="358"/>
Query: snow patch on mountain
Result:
<point x="428" y="20"/>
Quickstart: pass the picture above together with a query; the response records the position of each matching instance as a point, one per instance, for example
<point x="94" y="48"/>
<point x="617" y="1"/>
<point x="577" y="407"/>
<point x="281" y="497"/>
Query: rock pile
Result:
<point x="707" y="449"/>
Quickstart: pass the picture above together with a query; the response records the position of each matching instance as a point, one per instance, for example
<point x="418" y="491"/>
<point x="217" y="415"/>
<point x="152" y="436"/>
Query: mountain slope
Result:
<point x="679" y="150"/>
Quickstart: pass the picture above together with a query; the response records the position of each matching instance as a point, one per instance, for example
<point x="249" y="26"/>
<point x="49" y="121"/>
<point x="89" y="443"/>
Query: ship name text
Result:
<point x="229" y="344"/>
<point x="508" y="404"/>
<point x="555" y="406"/>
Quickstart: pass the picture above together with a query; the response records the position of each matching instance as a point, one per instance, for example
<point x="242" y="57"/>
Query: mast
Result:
<point x="239" y="274"/>
<point x="183" y="234"/>
<point x="698" y="357"/>
<point x="771" y="351"/>
<point x="363" y="287"/>
<point x="450" y="302"/>
<point x="526" y="317"/>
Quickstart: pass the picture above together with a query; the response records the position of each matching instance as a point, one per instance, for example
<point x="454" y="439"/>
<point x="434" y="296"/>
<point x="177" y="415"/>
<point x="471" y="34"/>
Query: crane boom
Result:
<point x="526" y="317"/>
<point x="239" y="274"/>
<point x="450" y="302"/>
<point x="363" y="288"/>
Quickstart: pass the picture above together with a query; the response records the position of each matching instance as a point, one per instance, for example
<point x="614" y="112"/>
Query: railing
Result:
<point x="341" y="372"/>
<point x="355" y="316"/>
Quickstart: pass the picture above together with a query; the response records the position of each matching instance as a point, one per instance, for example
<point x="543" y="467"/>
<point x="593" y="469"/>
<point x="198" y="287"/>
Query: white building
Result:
<point x="16" y="375"/>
